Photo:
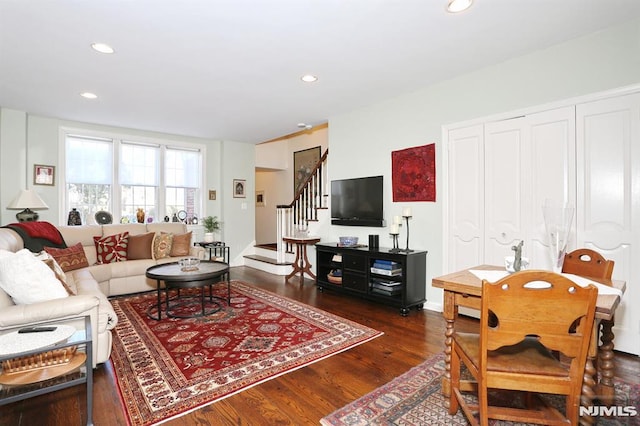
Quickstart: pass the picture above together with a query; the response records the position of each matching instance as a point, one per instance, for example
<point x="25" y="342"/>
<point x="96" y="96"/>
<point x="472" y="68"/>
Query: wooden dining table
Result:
<point x="464" y="289"/>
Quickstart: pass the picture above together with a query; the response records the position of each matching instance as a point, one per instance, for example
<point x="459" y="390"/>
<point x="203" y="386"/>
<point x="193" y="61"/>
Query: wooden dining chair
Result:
<point x="534" y="312"/>
<point x="587" y="263"/>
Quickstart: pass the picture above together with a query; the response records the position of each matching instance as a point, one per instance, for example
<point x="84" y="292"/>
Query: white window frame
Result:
<point x="118" y="139"/>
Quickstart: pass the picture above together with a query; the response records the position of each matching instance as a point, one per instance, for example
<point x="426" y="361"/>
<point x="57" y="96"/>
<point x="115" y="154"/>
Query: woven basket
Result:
<point x="39" y="361"/>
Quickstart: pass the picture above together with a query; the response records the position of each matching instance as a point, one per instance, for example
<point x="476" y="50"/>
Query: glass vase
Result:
<point x="558" y="219"/>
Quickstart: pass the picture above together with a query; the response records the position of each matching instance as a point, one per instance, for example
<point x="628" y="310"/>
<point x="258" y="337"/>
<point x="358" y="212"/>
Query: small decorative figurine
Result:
<point x="517" y="258"/>
<point x="140" y="215"/>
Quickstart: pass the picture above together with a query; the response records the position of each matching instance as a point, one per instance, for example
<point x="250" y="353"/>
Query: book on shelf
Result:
<point x="389" y="272"/>
<point x="385" y="292"/>
<point x="385" y="264"/>
<point x="385" y="287"/>
<point x="385" y="282"/>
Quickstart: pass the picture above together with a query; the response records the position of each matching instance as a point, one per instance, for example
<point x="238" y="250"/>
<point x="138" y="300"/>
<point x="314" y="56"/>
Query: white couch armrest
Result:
<point x="17" y="315"/>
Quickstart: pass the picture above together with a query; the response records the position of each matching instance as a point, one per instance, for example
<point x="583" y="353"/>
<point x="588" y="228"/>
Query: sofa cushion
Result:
<point x="140" y="246"/>
<point x="70" y="258"/>
<point x="162" y="245"/>
<point x="112" y="248"/>
<point x="181" y="244"/>
<point x="27" y="279"/>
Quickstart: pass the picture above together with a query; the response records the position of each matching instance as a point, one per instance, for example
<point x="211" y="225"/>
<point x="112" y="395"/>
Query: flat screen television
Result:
<point x="357" y="202"/>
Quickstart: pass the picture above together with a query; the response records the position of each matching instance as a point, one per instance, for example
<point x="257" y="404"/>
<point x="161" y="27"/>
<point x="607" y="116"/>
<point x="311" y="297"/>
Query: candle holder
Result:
<point x="395" y="248"/>
<point x="407" y="250"/>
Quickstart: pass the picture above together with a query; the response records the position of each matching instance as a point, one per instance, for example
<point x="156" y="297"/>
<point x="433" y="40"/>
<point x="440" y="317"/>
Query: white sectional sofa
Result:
<point x="91" y="285"/>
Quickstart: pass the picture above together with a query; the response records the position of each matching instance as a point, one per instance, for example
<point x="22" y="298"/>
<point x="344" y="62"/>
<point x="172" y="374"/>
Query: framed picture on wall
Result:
<point x="303" y="164"/>
<point x="260" y="202"/>
<point x="43" y="175"/>
<point x="239" y="188"/>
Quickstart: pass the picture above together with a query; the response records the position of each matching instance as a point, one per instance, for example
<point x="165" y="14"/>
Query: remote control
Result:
<point x="36" y="329"/>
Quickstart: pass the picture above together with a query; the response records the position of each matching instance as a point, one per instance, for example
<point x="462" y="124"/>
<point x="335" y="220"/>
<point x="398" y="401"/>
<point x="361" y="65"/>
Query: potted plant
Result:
<point x="211" y="224"/>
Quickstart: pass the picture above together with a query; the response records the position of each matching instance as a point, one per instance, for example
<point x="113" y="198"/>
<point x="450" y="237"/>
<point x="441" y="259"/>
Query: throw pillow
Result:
<point x="57" y="270"/>
<point x="28" y="280"/>
<point x="162" y="245"/>
<point x="70" y="258"/>
<point x="112" y="248"/>
<point x="140" y="246"/>
<point x="181" y="244"/>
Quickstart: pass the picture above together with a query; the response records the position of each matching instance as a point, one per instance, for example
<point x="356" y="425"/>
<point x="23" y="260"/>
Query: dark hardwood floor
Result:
<point x="301" y="397"/>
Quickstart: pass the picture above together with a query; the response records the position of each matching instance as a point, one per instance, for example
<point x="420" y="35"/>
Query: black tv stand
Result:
<point x="384" y="275"/>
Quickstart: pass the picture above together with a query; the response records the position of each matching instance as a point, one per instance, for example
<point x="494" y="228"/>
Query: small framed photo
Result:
<point x="212" y="194"/>
<point x="260" y="201"/>
<point x="44" y="175"/>
<point x="239" y="188"/>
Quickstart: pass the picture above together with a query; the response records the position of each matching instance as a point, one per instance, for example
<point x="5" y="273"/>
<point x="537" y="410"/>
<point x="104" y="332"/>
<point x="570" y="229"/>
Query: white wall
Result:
<point x="361" y="141"/>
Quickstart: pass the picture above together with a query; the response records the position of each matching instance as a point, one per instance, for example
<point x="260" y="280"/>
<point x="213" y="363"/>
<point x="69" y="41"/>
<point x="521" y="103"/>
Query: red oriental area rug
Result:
<point x="170" y="367"/>
<point x="415" y="399"/>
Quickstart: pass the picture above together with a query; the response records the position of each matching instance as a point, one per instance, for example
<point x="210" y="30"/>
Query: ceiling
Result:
<point x="230" y="69"/>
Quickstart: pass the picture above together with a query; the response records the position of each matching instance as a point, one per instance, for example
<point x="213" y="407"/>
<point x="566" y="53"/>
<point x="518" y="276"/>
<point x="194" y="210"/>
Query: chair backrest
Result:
<point x="541" y="304"/>
<point x="587" y="263"/>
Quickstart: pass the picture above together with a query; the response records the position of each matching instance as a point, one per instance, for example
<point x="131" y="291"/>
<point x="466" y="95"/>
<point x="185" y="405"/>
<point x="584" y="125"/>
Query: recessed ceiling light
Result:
<point x="89" y="95"/>
<point x="102" y="48"/>
<point x="456" y="6"/>
<point x="308" y="78"/>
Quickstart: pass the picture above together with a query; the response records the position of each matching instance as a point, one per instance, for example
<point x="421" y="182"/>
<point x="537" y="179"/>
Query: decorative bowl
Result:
<point x="348" y="241"/>
<point x="189" y="264"/>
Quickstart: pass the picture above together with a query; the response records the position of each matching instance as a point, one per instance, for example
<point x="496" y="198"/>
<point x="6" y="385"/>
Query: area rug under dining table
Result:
<point x="167" y="368"/>
<point x="415" y="399"/>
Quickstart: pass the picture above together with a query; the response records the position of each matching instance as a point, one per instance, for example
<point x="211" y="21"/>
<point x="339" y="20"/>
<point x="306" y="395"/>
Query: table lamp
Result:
<point x="27" y="200"/>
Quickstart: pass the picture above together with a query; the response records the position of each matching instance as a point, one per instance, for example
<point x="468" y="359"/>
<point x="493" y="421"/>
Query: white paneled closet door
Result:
<point x="608" y="137"/>
<point x="466" y="198"/>
<point x="552" y="176"/>
<point x="527" y="160"/>
<point x="505" y="174"/>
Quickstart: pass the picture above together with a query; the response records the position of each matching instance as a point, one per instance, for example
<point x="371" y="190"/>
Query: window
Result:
<point x="121" y="176"/>
<point x="89" y="175"/>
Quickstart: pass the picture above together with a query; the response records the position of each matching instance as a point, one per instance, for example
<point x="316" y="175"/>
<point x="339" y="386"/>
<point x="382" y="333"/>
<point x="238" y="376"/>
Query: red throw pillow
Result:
<point x="112" y="248"/>
<point x="69" y="258"/>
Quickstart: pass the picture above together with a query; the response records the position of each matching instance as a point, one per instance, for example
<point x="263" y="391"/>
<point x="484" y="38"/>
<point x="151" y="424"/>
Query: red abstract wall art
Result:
<point x="414" y="173"/>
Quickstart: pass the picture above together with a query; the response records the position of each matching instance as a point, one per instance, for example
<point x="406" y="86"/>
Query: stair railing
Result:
<point x="293" y="218"/>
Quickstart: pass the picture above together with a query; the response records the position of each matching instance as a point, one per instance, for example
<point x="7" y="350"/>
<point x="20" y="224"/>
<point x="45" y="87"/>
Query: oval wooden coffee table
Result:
<point x="207" y="274"/>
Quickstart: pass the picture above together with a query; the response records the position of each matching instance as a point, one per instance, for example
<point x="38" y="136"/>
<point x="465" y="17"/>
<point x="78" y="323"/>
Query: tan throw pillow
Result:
<point x="162" y="246"/>
<point x="140" y="246"/>
<point x="181" y="244"/>
<point x="70" y="258"/>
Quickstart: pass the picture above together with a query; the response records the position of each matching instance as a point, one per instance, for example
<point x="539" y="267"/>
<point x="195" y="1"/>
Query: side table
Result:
<point x="218" y="250"/>
<point x="301" y="264"/>
<point x="39" y="363"/>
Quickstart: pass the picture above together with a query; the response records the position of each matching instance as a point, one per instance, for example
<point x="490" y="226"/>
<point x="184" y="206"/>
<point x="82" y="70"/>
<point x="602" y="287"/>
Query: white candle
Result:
<point x="397" y="219"/>
<point x="394" y="228"/>
<point x="406" y="211"/>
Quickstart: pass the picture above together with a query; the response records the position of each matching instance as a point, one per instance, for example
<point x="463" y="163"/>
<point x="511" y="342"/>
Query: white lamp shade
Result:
<point x="27" y="199"/>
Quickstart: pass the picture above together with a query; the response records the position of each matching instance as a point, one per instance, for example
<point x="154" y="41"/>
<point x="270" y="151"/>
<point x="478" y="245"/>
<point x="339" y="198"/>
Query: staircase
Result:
<point x="300" y="217"/>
